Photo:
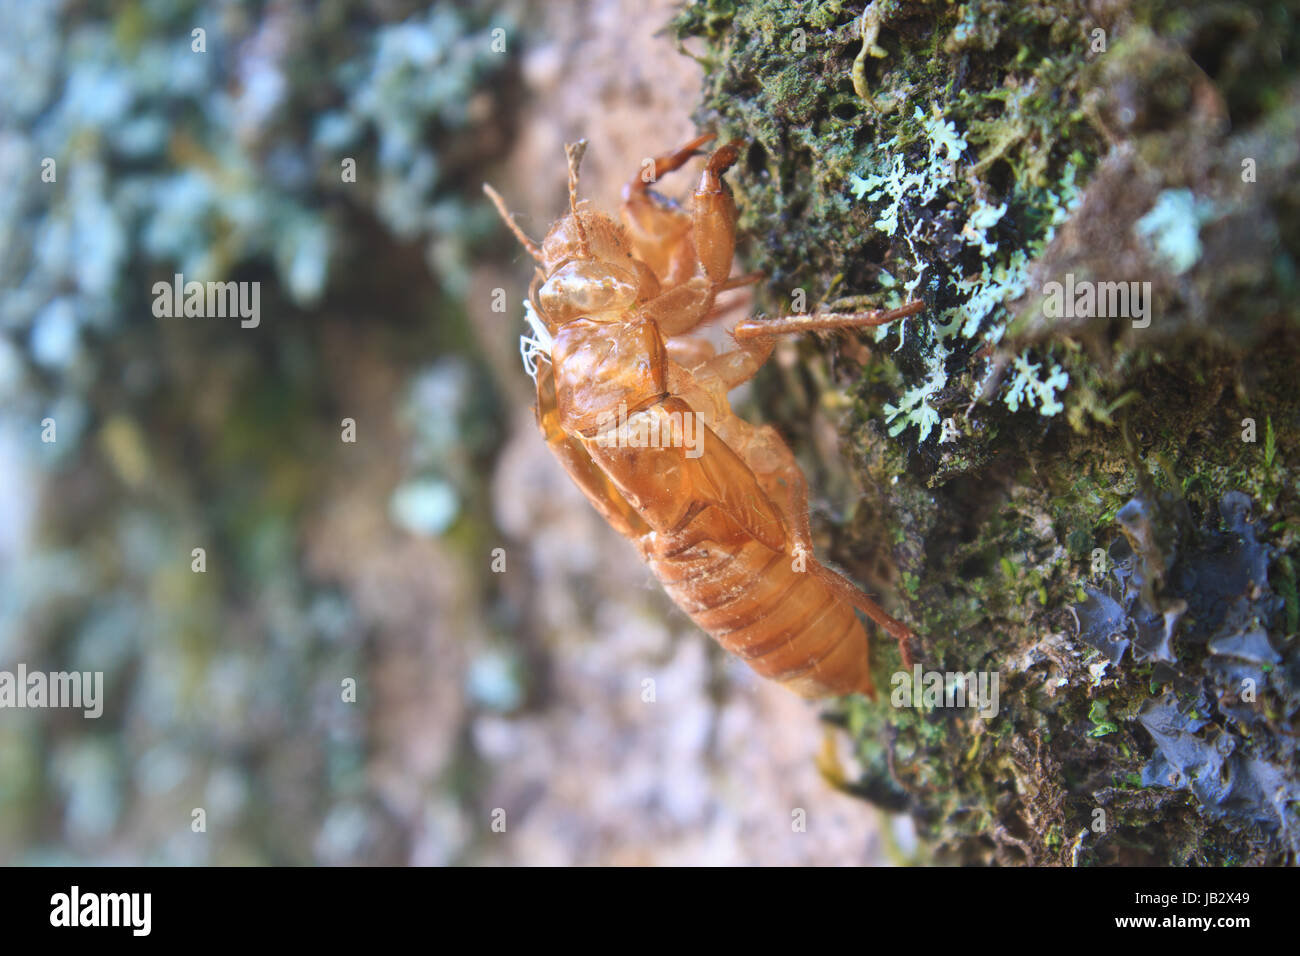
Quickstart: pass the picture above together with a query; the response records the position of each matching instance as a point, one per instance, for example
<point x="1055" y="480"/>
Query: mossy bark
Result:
<point x="1063" y="497"/>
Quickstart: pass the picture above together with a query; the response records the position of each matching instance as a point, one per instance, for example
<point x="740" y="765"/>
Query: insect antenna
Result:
<point x="574" y="153"/>
<point x="504" y="213"/>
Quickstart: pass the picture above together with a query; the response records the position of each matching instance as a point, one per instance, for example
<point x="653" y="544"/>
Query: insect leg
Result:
<point x="658" y="228"/>
<point x="895" y="628"/>
<point x="781" y="477"/>
<point x="740" y="364"/>
<point x="690" y="352"/>
<point x="749" y="278"/>
<point x="684" y="307"/>
<point x="713" y="214"/>
<point x="635" y="190"/>
<point x="822" y="321"/>
<point x="681" y="308"/>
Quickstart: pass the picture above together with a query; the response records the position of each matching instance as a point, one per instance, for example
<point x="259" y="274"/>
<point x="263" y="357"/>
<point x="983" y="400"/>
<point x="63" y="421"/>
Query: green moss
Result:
<point x="998" y="151"/>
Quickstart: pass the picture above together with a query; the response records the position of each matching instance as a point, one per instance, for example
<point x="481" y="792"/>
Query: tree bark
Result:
<point x="1073" y="471"/>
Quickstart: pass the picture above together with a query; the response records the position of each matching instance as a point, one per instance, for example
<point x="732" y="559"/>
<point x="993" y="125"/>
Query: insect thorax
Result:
<point x="600" y="366"/>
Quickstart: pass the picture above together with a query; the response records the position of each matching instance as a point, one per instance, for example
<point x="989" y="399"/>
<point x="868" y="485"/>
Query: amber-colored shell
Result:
<point x="717" y="507"/>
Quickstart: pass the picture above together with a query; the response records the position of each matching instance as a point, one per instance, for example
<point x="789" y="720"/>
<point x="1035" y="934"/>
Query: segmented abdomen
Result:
<point x="784" y="623"/>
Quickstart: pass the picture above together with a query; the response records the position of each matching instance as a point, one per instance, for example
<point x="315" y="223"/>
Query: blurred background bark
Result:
<point x="523" y="691"/>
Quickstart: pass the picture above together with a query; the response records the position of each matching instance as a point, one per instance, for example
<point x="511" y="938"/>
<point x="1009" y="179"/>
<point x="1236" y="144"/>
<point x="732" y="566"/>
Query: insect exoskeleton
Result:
<point x="635" y="407"/>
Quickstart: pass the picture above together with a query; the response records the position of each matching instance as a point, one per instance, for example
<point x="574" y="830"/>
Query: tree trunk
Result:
<point x="1074" y="471"/>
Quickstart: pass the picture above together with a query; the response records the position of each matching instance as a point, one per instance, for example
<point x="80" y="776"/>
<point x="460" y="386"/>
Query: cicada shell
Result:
<point x="636" y="410"/>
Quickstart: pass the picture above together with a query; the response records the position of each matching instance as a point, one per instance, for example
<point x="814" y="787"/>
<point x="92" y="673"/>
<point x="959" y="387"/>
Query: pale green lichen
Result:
<point x="1172" y="229"/>
<point x="1026" y="386"/>
<point x="985" y="295"/>
<point x="984" y="218"/>
<point x="914" y="408"/>
<point x="921" y="186"/>
<point x="998" y="284"/>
